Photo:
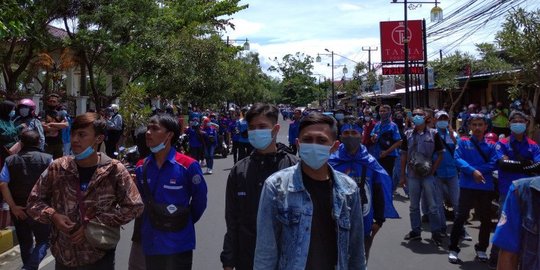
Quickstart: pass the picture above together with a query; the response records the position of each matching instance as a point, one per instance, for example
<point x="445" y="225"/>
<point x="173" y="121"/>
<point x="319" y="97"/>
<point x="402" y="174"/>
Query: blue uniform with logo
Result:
<point x="517" y="230"/>
<point x="242" y="126"/>
<point x="375" y="174"/>
<point x="179" y="181"/>
<point x="527" y="149"/>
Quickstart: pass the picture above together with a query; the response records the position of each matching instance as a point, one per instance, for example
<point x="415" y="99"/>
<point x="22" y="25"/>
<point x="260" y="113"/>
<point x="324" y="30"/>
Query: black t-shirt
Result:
<point x="85" y="175"/>
<point x="323" y="244"/>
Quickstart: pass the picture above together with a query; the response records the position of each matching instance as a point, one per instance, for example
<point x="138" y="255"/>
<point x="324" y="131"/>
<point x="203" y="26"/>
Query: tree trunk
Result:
<point x="458" y="98"/>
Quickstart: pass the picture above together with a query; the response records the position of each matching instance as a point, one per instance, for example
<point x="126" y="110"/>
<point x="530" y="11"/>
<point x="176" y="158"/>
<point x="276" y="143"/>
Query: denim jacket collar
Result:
<point x="341" y="188"/>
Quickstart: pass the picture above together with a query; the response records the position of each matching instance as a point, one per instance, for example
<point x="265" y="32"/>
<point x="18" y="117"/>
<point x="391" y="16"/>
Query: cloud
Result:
<point x="348" y="7"/>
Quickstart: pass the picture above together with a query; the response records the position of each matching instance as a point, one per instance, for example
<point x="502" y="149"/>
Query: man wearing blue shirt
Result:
<point x="174" y="193"/>
<point x="387" y="139"/>
<point x="244" y="147"/>
<point x="517" y="231"/>
<point x="353" y="159"/>
<point x="447" y="182"/>
<point x="476" y="160"/>
<point x="517" y="148"/>
<point x="293" y="129"/>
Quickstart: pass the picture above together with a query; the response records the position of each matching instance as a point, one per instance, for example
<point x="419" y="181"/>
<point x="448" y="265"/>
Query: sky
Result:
<point x="275" y="28"/>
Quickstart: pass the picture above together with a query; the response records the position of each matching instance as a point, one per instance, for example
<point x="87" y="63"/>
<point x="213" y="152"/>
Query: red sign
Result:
<point x="392" y="37"/>
<point x="401" y="70"/>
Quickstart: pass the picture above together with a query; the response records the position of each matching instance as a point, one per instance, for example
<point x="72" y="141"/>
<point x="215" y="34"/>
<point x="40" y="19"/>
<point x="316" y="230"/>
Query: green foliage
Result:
<point x="134" y="109"/>
<point x="298" y="86"/>
<point x="520" y="39"/>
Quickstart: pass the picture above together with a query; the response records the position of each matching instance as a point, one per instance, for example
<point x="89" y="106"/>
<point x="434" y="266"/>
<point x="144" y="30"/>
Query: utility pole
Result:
<point x="369" y="50"/>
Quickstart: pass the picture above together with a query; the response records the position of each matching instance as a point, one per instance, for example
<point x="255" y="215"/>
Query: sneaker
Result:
<point x="413" y="236"/>
<point x="481" y="256"/>
<point x="466" y="236"/>
<point x="209" y="171"/>
<point x="437" y="239"/>
<point x="453" y="257"/>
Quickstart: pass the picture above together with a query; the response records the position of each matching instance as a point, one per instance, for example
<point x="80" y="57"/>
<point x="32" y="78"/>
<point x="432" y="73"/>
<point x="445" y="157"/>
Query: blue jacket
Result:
<point x="468" y="160"/>
<point x="528" y="150"/>
<point x="294" y="128"/>
<point x="179" y="181"/>
<point x="448" y="167"/>
<point x="517" y="230"/>
<point x="375" y="174"/>
<point x="285" y="207"/>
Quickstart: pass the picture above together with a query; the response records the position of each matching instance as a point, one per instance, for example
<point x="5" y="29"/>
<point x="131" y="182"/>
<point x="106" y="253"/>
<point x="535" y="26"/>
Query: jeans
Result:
<point x="209" y="155"/>
<point x="235" y="148"/>
<point x="446" y="189"/>
<point x="105" y="263"/>
<point x="179" y="261"/>
<point x="468" y="198"/>
<point x="388" y="164"/>
<point x="416" y="187"/>
<point x="26" y="230"/>
<point x="244" y="150"/>
<point x="397" y="173"/>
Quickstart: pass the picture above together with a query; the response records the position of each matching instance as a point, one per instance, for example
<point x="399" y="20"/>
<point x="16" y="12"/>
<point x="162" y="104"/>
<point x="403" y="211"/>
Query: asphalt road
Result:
<point x="389" y="250"/>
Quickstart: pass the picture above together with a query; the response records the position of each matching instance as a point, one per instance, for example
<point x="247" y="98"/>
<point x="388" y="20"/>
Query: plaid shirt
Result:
<point x="112" y="198"/>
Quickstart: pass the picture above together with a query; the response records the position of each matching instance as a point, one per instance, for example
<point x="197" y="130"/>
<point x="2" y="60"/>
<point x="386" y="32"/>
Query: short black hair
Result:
<point x="267" y="110"/>
<point x="316" y="118"/>
<point x="169" y="123"/>
<point x="29" y="138"/>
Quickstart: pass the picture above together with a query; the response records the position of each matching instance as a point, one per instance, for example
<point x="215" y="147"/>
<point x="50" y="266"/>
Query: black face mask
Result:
<point x="351" y="143"/>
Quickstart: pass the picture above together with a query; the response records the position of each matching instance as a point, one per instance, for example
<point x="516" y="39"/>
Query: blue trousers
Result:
<point x="32" y="253"/>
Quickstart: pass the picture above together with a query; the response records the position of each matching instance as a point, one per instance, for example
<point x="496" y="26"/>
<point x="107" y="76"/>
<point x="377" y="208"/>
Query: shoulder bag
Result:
<point x="164" y="217"/>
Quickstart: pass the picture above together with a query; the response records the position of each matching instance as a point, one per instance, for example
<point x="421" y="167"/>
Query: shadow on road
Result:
<point x="422" y="247"/>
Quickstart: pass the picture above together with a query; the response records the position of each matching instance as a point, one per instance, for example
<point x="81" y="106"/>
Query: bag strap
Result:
<point x="146" y="187"/>
<point x="516" y="151"/>
<point x="447" y="146"/>
<point x="486" y="159"/>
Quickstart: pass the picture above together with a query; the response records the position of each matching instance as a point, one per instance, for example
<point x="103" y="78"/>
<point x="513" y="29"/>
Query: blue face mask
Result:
<point x="12" y="114"/>
<point x="314" y="155"/>
<point x="84" y="154"/>
<point x="157" y="148"/>
<point x="260" y="138"/>
<point x="518" y="128"/>
<point x="442" y="124"/>
<point x="418" y="120"/>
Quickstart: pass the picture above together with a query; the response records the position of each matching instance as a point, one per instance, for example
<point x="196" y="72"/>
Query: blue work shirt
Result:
<point x="179" y="181"/>
<point x="528" y="150"/>
<point x="468" y="160"/>
<point x="353" y="165"/>
<point x="242" y="126"/>
<point x="447" y="168"/>
<point x="508" y="232"/>
<point x="294" y="129"/>
<point x="382" y="128"/>
<point x="195" y="140"/>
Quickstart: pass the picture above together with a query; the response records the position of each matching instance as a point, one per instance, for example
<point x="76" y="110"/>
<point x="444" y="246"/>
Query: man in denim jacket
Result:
<point x="309" y="214"/>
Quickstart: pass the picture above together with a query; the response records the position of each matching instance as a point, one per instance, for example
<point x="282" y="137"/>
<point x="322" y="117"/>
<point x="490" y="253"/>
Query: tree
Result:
<point x="461" y="64"/>
<point x="24" y="31"/>
<point x="298" y="86"/>
<point x="520" y="39"/>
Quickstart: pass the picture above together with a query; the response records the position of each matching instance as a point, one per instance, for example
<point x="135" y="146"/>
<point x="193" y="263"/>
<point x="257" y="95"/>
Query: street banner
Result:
<point x="392" y="37"/>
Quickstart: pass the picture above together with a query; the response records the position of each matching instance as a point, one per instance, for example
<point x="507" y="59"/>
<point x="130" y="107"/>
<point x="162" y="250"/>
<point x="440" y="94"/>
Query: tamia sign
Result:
<point x="393" y="36"/>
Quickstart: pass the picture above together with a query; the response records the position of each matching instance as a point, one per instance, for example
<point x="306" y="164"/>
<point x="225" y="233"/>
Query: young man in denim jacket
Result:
<point x="310" y="215"/>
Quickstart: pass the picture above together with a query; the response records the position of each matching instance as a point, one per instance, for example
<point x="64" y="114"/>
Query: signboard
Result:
<point x="392" y="37"/>
<point x="401" y="70"/>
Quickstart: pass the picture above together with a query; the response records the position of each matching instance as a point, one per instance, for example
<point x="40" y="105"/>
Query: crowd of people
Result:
<point x="316" y="203"/>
